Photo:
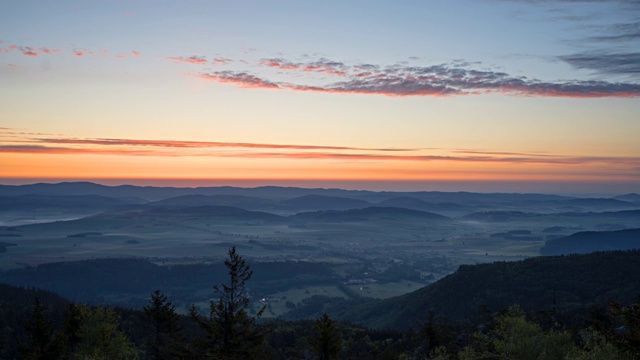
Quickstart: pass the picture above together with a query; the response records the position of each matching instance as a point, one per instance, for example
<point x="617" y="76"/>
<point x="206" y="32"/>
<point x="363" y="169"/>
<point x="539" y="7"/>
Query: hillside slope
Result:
<point x="589" y="241"/>
<point x="577" y="282"/>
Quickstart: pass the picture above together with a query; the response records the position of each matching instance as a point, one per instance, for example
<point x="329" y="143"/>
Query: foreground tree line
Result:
<point x="227" y="330"/>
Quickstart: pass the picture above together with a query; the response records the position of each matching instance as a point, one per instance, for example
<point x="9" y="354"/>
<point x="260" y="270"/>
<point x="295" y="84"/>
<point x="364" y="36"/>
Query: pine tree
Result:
<point x="327" y="342"/>
<point x="161" y="321"/>
<point x="41" y="344"/>
<point x="229" y="331"/>
<point x="101" y="336"/>
<point x="69" y="336"/>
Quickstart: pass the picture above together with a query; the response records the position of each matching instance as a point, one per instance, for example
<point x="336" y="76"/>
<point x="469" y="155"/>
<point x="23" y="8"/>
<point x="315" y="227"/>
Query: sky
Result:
<point x="463" y="95"/>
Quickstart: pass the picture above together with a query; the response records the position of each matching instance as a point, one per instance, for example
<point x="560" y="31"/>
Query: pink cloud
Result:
<point x="126" y="55"/>
<point x="242" y="80"/>
<point x="279" y="64"/>
<point x="195" y="144"/>
<point x="199" y="60"/>
<point x="174" y="148"/>
<point x="28" y="51"/>
<point x="221" y="60"/>
<point x="10" y="48"/>
<point x="320" y="66"/>
<point x="437" y="80"/>
<point x="49" y="51"/>
<point x="81" y="52"/>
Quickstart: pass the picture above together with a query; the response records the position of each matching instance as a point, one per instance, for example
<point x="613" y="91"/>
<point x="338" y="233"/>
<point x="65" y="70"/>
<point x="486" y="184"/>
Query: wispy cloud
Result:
<point x="221" y="60"/>
<point x="32" y="143"/>
<point x="436" y="80"/>
<point x="127" y="55"/>
<point x="241" y="79"/>
<point x="199" y="60"/>
<point x="618" y="64"/>
<point x="320" y="66"/>
<point x="610" y="27"/>
<point x="33" y="51"/>
<point x="29" y="50"/>
<point x="323" y="155"/>
<point x="632" y="2"/>
<point x="196" y="144"/>
<point x="620" y="32"/>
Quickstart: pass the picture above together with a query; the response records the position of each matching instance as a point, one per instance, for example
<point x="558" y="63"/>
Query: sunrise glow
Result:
<point x="413" y="96"/>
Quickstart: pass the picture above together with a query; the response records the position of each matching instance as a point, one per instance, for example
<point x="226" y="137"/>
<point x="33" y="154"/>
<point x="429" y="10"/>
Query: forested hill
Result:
<point x="590" y="241"/>
<point x="577" y="282"/>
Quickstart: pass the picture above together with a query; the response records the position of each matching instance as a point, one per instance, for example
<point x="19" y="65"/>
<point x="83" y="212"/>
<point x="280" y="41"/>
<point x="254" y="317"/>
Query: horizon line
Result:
<point x="573" y="188"/>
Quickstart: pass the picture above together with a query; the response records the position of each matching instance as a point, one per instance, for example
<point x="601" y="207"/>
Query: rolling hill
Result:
<point x="590" y="241"/>
<point x="366" y="214"/>
<point x="570" y="283"/>
<point x="318" y="202"/>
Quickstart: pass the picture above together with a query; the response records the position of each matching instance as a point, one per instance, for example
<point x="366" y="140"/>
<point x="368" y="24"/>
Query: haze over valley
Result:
<point x="349" y="245"/>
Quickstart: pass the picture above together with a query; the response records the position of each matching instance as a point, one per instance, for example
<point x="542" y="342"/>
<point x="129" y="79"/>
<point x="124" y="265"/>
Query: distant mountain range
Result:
<point x="290" y="200"/>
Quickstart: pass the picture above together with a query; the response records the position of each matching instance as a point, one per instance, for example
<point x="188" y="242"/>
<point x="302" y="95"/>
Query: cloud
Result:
<point x="620" y="32"/>
<point x="195" y="144"/>
<point x="32" y="51"/>
<point x="632" y="2"/>
<point x="606" y="63"/>
<point x="221" y="60"/>
<point x="178" y="148"/>
<point x="241" y="79"/>
<point x="49" y="51"/>
<point x="36" y="149"/>
<point x="126" y="55"/>
<point x="556" y="160"/>
<point x="627" y="162"/>
<point x="320" y="66"/>
<point x="199" y="60"/>
<point x="437" y="80"/>
<point x="81" y="52"/>
<point x="28" y="51"/>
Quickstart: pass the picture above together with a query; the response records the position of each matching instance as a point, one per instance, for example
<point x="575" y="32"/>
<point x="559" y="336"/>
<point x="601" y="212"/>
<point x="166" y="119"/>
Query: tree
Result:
<point x="164" y="333"/>
<point x="101" y="337"/>
<point x="229" y="331"/>
<point x="327" y="342"/>
<point x="628" y="335"/>
<point x="514" y="337"/>
<point x="597" y="346"/>
<point x="70" y="336"/>
<point x="41" y="344"/>
<point x="435" y="335"/>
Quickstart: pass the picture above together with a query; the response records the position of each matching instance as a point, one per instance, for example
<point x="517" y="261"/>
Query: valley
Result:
<point x="367" y="248"/>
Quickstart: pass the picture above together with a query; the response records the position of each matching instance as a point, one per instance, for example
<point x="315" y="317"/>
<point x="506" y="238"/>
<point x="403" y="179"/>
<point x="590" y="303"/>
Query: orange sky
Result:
<point x="507" y="95"/>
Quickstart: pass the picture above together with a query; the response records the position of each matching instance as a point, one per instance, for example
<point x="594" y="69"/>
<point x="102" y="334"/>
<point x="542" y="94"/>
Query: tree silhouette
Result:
<point x="164" y="334"/>
<point x="40" y="343"/>
<point x="327" y="342"/>
<point x="229" y="331"/>
<point x="102" y="337"/>
<point x="71" y="327"/>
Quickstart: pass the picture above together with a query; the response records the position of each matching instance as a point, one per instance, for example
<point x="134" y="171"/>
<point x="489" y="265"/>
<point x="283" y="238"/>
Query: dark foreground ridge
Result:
<point x="568" y="284"/>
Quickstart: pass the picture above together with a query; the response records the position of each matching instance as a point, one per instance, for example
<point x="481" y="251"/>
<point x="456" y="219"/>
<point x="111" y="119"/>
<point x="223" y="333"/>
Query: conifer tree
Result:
<point x="101" y="336"/>
<point x="69" y="336"/>
<point x="229" y="331"/>
<point x="40" y="344"/>
<point x="327" y="342"/>
<point x="161" y="320"/>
